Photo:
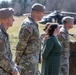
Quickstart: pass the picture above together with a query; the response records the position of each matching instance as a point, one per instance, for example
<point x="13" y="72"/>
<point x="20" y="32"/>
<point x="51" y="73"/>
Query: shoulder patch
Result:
<point x="29" y="29"/>
<point x="63" y="36"/>
<point x="1" y="41"/>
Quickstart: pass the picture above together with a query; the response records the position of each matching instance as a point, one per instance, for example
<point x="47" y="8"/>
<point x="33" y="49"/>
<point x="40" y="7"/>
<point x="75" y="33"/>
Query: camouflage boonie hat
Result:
<point x="38" y="7"/>
<point x="6" y="12"/>
<point x="68" y="19"/>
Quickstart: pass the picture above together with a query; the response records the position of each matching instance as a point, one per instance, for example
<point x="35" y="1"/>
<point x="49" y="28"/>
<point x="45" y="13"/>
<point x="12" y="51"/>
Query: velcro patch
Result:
<point x="29" y="29"/>
<point x="63" y="36"/>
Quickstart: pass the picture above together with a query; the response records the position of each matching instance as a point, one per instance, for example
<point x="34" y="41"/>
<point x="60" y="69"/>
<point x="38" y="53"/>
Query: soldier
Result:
<point x="42" y="41"/>
<point x="7" y="66"/>
<point x="44" y="33"/>
<point x="65" y="40"/>
<point x="28" y="46"/>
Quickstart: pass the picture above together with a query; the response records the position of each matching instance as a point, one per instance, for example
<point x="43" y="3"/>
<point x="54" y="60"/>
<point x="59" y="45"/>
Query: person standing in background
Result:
<point x="41" y="37"/>
<point x="44" y="33"/>
<point x="29" y="44"/>
<point x="65" y="41"/>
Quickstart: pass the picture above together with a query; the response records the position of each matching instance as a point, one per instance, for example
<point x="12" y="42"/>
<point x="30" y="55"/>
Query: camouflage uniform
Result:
<point x="40" y="54"/>
<point x="42" y="35"/>
<point x="6" y="64"/>
<point x="64" y="39"/>
<point x="28" y="47"/>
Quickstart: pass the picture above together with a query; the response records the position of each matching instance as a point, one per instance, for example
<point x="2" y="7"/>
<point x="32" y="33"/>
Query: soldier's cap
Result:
<point x="38" y="7"/>
<point x="47" y="24"/>
<point x="67" y="19"/>
<point x="6" y="12"/>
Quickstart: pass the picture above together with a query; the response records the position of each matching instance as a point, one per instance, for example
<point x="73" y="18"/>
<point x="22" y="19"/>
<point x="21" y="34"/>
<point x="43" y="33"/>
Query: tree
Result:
<point x="13" y="2"/>
<point x="23" y="4"/>
<point x="5" y="4"/>
<point x="20" y="5"/>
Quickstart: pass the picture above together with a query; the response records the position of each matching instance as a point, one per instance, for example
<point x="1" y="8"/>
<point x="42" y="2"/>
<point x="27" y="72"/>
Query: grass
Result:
<point x="13" y="33"/>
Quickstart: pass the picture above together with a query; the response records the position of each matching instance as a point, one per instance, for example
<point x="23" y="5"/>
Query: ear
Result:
<point x="5" y="19"/>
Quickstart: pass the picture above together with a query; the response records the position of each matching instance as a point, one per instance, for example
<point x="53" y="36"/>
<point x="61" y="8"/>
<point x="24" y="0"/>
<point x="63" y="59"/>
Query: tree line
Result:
<point x="24" y="6"/>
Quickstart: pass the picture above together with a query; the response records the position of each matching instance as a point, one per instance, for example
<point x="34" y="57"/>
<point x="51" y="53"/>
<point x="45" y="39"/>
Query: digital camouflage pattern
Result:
<point x="28" y="47"/>
<point x="6" y="64"/>
<point x="65" y="40"/>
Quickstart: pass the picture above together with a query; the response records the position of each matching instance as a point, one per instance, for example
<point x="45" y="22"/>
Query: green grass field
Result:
<point x="13" y="32"/>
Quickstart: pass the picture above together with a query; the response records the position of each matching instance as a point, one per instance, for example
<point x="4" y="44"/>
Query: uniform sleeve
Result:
<point x="63" y="39"/>
<point x="47" y="48"/>
<point x="62" y="36"/>
<point x="4" y="61"/>
<point x="24" y="36"/>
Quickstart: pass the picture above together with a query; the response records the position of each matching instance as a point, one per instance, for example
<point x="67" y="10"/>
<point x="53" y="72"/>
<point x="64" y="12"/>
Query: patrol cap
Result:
<point x="68" y="19"/>
<point x="38" y="7"/>
<point x="47" y="24"/>
<point x="6" y="12"/>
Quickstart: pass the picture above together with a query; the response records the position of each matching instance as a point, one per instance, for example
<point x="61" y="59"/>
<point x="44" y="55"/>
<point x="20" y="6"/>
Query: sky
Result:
<point x="5" y="0"/>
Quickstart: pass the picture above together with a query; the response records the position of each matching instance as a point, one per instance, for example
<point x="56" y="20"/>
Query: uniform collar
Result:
<point x="33" y="21"/>
<point x="2" y="28"/>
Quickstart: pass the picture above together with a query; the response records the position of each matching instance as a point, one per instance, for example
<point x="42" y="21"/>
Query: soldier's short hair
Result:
<point x="6" y="12"/>
<point x="38" y="7"/>
<point x="68" y="19"/>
